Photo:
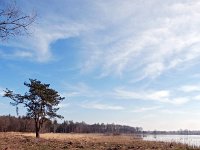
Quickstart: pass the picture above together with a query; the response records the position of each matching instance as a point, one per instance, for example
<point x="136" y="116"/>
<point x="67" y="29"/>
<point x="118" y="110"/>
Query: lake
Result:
<point x="193" y="140"/>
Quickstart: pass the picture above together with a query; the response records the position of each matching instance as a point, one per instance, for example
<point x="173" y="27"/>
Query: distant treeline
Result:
<point x="179" y="132"/>
<point x="23" y="124"/>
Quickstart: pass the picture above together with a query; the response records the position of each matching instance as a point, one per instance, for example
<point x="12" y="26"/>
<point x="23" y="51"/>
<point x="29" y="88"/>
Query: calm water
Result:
<point x="193" y="140"/>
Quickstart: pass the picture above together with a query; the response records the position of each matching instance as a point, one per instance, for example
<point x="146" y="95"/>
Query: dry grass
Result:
<point x="85" y="137"/>
<point x="50" y="141"/>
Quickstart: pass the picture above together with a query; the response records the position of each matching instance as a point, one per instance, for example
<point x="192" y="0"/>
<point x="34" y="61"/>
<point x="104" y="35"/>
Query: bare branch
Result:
<point x="14" y="22"/>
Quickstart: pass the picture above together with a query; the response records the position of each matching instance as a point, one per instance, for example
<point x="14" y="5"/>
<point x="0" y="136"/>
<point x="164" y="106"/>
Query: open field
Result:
<point x="50" y="141"/>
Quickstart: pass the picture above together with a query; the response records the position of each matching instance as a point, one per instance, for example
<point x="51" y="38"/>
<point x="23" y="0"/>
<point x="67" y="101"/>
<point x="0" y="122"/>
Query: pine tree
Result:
<point x="40" y="101"/>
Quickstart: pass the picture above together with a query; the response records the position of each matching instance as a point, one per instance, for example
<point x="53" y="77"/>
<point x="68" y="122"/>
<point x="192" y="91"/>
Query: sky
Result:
<point x="131" y="62"/>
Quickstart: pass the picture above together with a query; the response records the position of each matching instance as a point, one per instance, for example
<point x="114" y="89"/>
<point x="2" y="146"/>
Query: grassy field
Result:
<point x="50" y="141"/>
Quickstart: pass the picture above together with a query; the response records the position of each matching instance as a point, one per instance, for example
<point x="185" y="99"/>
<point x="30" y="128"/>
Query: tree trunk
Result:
<point x="37" y="131"/>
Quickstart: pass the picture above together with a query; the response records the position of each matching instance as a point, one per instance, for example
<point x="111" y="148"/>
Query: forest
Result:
<point x="10" y="123"/>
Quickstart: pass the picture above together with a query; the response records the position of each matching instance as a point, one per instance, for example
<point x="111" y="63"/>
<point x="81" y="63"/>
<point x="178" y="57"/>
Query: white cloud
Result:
<point x="79" y="89"/>
<point x="170" y="111"/>
<point x="190" y="88"/>
<point x="145" y="109"/>
<point x="154" y="69"/>
<point x="23" y="54"/>
<point x="197" y="97"/>
<point x="48" y="33"/>
<point x="163" y="96"/>
<point x="180" y="112"/>
<point x="96" y="105"/>
<point x="71" y="94"/>
<point x="16" y="54"/>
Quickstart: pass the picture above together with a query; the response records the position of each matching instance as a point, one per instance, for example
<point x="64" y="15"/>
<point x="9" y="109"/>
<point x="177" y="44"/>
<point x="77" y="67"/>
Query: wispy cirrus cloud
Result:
<point x="162" y="96"/>
<point x="101" y="106"/>
<point x="39" y="44"/>
<point x="146" y="109"/>
<point x="176" y="95"/>
<point x="80" y="89"/>
<point x="163" y="43"/>
<point x="16" y="54"/>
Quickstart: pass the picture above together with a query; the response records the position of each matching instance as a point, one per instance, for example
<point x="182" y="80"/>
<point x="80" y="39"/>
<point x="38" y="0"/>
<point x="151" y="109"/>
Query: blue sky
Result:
<point x="128" y="62"/>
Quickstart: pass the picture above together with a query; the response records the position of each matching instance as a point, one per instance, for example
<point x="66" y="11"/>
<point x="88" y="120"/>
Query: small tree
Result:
<point x="40" y="101"/>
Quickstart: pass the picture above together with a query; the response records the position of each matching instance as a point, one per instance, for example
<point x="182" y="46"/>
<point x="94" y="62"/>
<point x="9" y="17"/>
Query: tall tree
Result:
<point x="13" y="21"/>
<point x="40" y="101"/>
